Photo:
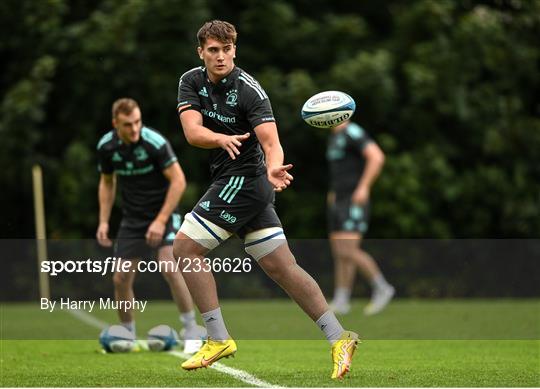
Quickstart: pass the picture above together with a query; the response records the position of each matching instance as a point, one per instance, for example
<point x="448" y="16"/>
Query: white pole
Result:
<point x="41" y="242"/>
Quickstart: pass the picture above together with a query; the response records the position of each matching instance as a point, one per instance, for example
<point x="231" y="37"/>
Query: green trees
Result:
<point x="467" y="82"/>
<point x="449" y="90"/>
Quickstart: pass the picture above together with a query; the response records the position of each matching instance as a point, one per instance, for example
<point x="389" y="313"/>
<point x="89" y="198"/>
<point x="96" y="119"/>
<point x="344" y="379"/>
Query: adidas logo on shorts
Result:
<point x="205" y="205"/>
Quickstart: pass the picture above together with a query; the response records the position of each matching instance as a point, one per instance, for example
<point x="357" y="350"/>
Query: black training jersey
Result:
<point x="233" y="106"/>
<point x="139" y="168"/>
<point x="346" y="160"/>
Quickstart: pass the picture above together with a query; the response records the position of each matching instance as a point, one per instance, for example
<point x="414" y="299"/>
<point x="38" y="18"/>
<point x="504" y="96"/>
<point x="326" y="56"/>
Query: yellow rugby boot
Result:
<point x="211" y="352"/>
<point x="342" y="353"/>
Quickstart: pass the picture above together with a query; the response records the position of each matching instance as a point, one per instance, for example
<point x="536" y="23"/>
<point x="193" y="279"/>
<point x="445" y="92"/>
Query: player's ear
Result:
<point x="200" y="52"/>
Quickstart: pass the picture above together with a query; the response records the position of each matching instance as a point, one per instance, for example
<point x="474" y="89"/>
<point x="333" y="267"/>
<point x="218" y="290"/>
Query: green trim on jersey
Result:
<point x="170" y="162"/>
<point x="152" y="137"/>
<point x="354" y="131"/>
<point x="104" y="139"/>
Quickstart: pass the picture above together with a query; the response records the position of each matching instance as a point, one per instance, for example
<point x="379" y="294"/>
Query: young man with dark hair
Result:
<point x="224" y="109"/>
<point x="152" y="183"/>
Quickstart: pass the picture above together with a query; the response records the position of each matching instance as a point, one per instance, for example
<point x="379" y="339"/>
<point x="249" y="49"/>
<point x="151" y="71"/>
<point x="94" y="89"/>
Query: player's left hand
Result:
<point x="360" y="196"/>
<point x="155" y="232"/>
<point x="279" y="177"/>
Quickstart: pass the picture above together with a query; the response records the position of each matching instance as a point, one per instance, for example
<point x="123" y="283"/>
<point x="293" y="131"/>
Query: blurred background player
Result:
<point x="152" y="183"/>
<point x="355" y="162"/>
<point x="223" y="108"/>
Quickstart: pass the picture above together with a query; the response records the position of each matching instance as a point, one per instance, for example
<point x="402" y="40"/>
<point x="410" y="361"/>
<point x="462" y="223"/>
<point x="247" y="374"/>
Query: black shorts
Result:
<point x="131" y="242"/>
<point x="345" y="216"/>
<point x="239" y="204"/>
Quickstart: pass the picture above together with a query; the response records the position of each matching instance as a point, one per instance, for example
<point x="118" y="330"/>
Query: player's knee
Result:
<point x="278" y="269"/>
<point x="263" y="242"/>
<point x="271" y="267"/>
<point x="345" y="256"/>
<point x="342" y="253"/>
<point x="122" y="280"/>
<point x="183" y="247"/>
<point x="168" y="269"/>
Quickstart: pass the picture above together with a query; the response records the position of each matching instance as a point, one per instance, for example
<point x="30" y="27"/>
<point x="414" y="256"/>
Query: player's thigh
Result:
<point x="165" y="253"/>
<point x="165" y="257"/>
<point x="197" y="236"/>
<point x="263" y="233"/>
<point x="187" y="247"/>
<point x="343" y="243"/>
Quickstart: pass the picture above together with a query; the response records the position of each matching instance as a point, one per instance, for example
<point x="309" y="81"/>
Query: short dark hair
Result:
<point x="218" y="30"/>
<point x="125" y="106"/>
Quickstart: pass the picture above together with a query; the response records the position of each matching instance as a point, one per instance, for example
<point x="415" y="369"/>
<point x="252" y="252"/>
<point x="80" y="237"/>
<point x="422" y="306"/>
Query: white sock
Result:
<point x="379" y="282"/>
<point x="129" y="325"/>
<point x="329" y="324"/>
<point x="342" y="296"/>
<point x="215" y="325"/>
<point x="188" y="319"/>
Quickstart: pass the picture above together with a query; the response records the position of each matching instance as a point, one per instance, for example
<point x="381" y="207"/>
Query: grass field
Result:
<point x="414" y="343"/>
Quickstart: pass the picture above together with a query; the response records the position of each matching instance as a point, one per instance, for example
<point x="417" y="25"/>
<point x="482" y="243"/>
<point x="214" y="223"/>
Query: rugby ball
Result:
<point x="328" y="109"/>
<point x="117" y="339"/>
<point x="194" y="340"/>
<point x="162" y="338"/>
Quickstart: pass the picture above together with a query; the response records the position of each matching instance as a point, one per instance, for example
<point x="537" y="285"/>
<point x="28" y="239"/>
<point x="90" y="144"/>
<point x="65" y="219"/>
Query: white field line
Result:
<point x="86" y="318"/>
<point x="238" y="374"/>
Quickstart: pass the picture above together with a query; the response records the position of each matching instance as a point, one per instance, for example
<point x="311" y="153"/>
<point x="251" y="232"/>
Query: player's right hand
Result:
<point x="155" y="233"/>
<point x="279" y="177"/>
<point x="231" y="143"/>
<point x="360" y="196"/>
<point x="102" y="235"/>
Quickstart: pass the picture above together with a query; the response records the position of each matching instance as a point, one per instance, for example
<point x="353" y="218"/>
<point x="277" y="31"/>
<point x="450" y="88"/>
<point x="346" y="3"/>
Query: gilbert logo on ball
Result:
<point x="328" y="109"/>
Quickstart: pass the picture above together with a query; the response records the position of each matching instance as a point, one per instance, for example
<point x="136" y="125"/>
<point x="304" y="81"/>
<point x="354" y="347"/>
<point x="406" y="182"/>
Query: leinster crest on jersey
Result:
<point x="232" y="98"/>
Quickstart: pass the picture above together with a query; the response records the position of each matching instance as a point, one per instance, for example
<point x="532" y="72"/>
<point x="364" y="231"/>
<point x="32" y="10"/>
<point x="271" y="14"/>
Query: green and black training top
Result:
<point x="139" y="168"/>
